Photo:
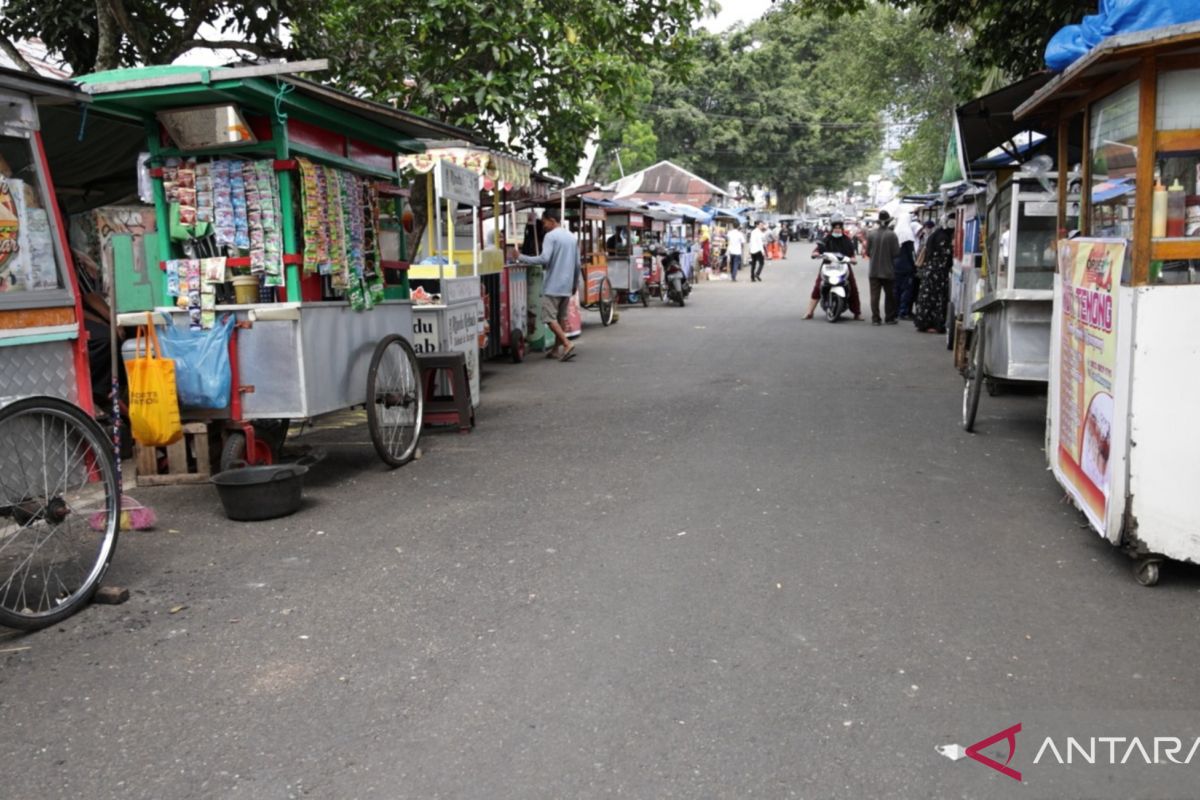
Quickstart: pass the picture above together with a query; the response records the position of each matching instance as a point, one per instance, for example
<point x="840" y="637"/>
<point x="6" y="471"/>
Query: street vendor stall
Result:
<point x="588" y="219"/>
<point x="1011" y="337"/>
<point x="267" y="197"/>
<point x="59" y="481"/>
<point x="1124" y="342"/>
<point x="623" y="249"/>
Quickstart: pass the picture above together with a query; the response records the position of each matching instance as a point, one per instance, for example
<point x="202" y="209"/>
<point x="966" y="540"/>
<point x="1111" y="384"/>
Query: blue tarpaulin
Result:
<point x="1116" y="16"/>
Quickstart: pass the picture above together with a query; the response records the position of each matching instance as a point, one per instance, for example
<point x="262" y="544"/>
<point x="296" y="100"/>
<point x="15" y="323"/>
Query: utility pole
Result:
<point x="620" y="166"/>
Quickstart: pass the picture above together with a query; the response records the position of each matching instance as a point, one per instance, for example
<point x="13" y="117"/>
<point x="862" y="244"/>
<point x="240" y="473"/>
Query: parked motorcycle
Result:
<point x="676" y="283"/>
<point x="835" y="285"/>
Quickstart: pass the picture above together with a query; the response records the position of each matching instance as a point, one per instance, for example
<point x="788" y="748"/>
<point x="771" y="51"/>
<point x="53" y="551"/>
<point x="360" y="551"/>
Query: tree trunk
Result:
<point x="108" y="38"/>
<point x="9" y="49"/>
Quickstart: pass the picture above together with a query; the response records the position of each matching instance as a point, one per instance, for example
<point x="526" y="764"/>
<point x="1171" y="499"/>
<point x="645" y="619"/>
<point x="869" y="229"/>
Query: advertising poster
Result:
<point x="1091" y="272"/>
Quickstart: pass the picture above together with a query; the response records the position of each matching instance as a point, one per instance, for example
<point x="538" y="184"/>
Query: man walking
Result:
<point x="882" y="248"/>
<point x="560" y="257"/>
<point x="758" y="251"/>
<point x="735" y="245"/>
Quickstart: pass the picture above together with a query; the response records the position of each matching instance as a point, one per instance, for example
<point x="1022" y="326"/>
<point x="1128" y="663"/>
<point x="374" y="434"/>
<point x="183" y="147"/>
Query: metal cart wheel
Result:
<point x="395" y="401"/>
<point x="606" y="304"/>
<point x="516" y="347"/>
<point x="975" y="379"/>
<point x="1146" y="571"/>
<point x="233" y="452"/>
<point x="60" y="510"/>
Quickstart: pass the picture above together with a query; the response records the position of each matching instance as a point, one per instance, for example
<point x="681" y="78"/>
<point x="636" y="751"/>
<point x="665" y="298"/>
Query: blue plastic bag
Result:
<point x="1116" y="16"/>
<point x="202" y="374"/>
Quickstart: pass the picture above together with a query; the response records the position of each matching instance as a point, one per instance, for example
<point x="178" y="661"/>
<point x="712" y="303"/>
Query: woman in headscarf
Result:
<point x="904" y="266"/>
<point x="930" y="313"/>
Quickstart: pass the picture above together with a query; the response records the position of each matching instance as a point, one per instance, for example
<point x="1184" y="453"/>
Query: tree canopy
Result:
<point x="798" y="101"/>
<point x="1008" y="34"/>
<point x="534" y="74"/>
<point x="94" y="35"/>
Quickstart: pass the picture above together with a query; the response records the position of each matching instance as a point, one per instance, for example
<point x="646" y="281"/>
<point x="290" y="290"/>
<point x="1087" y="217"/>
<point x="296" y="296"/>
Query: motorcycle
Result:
<point x="835" y="285"/>
<point x="677" y="286"/>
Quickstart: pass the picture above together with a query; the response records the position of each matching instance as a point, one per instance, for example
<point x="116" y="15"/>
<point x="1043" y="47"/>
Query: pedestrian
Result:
<point x="758" y="251"/>
<point x="560" y="257"/>
<point x="882" y="248"/>
<point x="785" y="234"/>
<point x="705" y="247"/>
<point x="905" y="268"/>
<point x="736" y="244"/>
<point x="836" y="242"/>
<point x="937" y="259"/>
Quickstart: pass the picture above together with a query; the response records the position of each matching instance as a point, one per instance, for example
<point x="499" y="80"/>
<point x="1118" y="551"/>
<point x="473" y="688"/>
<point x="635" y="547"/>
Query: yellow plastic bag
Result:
<point x="153" y="401"/>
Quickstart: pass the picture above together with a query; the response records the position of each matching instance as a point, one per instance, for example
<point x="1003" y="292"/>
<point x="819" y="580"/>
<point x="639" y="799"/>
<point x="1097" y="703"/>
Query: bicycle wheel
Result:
<point x="606" y="302"/>
<point x="975" y="378"/>
<point x="395" y="400"/>
<point x="60" y="509"/>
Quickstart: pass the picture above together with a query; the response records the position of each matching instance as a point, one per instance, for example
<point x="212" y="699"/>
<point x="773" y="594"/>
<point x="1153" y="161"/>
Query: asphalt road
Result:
<point x="725" y="553"/>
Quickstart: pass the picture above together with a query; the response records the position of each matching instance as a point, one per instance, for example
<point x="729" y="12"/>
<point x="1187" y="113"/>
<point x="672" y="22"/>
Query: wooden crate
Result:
<point x="195" y="441"/>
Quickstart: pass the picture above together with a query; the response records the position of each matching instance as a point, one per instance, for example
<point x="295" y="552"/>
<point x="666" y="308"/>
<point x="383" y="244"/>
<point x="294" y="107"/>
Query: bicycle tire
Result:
<point x="395" y="400"/>
<point x="58" y="489"/>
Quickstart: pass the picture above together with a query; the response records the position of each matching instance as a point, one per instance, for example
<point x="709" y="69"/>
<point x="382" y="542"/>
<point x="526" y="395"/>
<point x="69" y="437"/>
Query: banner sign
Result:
<point x="1090" y="270"/>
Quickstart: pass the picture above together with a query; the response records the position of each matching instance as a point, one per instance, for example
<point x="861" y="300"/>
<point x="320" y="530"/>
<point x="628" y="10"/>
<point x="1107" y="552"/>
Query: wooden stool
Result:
<point x="454" y="409"/>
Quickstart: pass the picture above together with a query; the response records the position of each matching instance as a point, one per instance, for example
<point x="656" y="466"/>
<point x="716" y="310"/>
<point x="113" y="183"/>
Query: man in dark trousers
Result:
<point x="882" y="248"/>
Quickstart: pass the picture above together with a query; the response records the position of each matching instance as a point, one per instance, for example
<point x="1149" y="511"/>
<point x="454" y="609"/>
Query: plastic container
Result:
<point x="249" y="494"/>
<point x="1176" y="210"/>
<point x="245" y="289"/>
<point x="1158" y="219"/>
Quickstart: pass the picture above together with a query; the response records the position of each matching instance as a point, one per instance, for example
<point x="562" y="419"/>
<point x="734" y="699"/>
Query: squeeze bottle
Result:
<point x="1176" y="209"/>
<point x="1158" y="220"/>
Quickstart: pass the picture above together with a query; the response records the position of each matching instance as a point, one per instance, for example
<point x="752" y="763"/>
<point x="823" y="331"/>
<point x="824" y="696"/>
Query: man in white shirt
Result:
<point x="735" y="245"/>
<point x="758" y="246"/>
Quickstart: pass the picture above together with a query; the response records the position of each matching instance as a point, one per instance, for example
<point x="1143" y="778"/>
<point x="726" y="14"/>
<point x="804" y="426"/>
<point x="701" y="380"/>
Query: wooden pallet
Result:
<point x="195" y="440"/>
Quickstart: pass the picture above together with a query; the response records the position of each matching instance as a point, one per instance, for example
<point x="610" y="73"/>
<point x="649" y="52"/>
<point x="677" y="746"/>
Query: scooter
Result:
<point x="678" y="287"/>
<point x="835" y="285"/>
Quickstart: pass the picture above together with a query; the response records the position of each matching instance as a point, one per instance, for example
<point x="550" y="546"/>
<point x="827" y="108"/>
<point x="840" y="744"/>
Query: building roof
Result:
<point x="665" y="179"/>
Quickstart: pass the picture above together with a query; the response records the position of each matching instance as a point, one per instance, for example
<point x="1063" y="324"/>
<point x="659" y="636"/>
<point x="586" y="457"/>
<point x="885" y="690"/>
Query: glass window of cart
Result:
<point x="1113" y="147"/>
<point x="998" y="221"/>
<point x="29" y="265"/>
<point x="1033" y="251"/>
<point x="1176" y="207"/>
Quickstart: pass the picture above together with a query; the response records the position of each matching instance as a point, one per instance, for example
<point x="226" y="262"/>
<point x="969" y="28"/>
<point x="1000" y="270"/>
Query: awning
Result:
<point x="987" y="122"/>
<point x="499" y="169"/>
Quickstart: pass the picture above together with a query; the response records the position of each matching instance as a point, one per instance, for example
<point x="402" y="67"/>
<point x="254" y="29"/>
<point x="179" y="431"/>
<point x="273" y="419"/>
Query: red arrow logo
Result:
<point x="1009" y="735"/>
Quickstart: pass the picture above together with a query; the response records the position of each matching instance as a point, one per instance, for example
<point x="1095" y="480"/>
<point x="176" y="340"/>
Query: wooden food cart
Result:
<point x="1125" y="358"/>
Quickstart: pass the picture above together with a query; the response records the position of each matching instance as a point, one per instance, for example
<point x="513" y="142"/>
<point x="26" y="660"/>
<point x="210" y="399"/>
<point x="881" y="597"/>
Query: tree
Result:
<point x="94" y="35"/>
<point x="635" y="142"/>
<point x="530" y="74"/>
<point x="1009" y="34"/>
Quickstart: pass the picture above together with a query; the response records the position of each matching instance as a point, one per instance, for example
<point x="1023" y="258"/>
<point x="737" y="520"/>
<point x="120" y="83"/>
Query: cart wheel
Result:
<point x="992" y="387"/>
<point x="1146" y="572"/>
<point x="233" y="452"/>
<point x="60" y="510"/>
<point x="606" y="302"/>
<point x="975" y="379"/>
<point x="395" y="402"/>
<point x="516" y="347"/>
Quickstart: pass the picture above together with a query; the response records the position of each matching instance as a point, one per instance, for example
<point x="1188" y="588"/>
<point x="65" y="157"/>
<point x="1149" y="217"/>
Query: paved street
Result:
<point x="725" y="553"/>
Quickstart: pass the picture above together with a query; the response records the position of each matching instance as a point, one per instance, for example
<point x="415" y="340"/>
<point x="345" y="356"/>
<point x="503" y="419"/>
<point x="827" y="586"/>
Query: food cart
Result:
<point x="623" y="249"/>
<point x="965" y="209"/>
<point x="1125" y="351"/>
<point x="274" y="183"/>
<point x="60" y="481"/>
<point x="596" y="287"/>
<point x="1011" y="337"/>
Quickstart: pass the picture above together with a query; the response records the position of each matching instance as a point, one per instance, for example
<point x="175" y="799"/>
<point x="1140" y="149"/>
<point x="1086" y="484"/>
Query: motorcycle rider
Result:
<point x="836" y="242"/>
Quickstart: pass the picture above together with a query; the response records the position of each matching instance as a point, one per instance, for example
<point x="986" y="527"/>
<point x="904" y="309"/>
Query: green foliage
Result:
<point x="133" y="32"/>
<point x="1009" y="34"/>
<point x="637" y="144"/>
<point x="526" y="73"/>
<point x="797" y="102"/>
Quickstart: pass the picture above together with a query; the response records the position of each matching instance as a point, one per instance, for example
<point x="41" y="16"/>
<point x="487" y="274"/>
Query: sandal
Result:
<point x="568" y="354"/>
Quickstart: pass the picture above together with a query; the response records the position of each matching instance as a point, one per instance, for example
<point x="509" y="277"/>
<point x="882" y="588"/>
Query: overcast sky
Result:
<point x="735" y="11"/>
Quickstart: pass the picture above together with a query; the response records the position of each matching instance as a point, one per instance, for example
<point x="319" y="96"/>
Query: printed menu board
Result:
<point x="1090" y="271"/>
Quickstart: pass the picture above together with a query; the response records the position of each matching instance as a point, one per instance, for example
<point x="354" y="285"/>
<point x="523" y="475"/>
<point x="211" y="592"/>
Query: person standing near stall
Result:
<point x="882" y="248"/>
<point x="560" y="257"/>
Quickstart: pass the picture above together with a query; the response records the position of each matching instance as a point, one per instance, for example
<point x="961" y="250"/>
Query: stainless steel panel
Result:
<point x="45" y="368"/>
<point x="336" y="348"/>
<point x="1018" y="340"/>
